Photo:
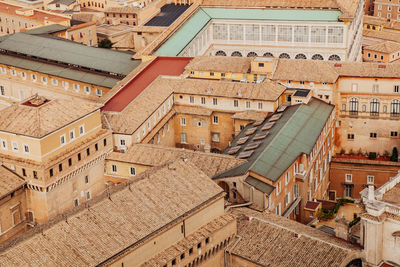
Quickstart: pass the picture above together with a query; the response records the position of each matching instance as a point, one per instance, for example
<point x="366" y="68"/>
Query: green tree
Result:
<point x="395" y="155"/>
<point x="105" y="43"/>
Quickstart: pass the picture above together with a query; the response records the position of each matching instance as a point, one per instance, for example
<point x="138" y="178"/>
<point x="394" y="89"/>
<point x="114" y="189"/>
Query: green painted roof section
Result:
<point x="272" y="14"/>
<point x="295" y="133"/>
<point x="47" y="29"/>
<point x="177" y="42"/>
<point x="58" y="71"/>
<point x="259" y="185"/>
<point x="180" y="39"/>
<point x="68" y="52"/>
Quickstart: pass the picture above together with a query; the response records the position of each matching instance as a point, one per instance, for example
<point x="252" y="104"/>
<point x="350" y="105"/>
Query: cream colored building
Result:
<point x="58" y="147"/>
<point x="141" y="157"/>
<point x="380" y="223"/>
<point x="172" y="215"/>
<point x="13" y="216"/>
<point x="319" y="30"/>
<point x="14" y="18"/>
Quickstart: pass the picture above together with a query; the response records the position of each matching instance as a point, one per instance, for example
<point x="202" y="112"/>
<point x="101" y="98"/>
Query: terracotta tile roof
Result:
<point x="267" y="91"/>
<point x="387" y="47"/>
<point x="118" y="220"/>
<point x="250" y="115"/>
<point x="38" y="15"/>
<point x="9" y="181"/>
<point x="311" y="205"/>
<point x="382" y="35"/>
<point x="193" y="110"/>
<point x="270" y="240"/>
<point x="139" y="110"/>
<point x="190" y="241"/>
<point x="372" y="20"/>
<point x="42" y="120"/>
<point x="393" y="195"/>
<point x="154" y="155"/>
<point x="220" y="64"/>
<point x="123" y="10"/>
<point x="304" y="70"/>
<point x="366" y="69"/>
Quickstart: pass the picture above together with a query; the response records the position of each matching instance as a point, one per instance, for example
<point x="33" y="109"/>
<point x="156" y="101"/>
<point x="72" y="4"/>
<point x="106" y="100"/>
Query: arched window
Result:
<point x="300" y="56"/>
<point x="353" y="106"/>
<point x="284" y="55"/>
<point x="252" y="54"/>
<point x="395" y="108"/>
<point x="236" y="54"/>
<point x="334" y="58"/>
<point x="317" y="57"/>
<point x="220" y="53"/>
<point x="374" y="107"/>
<point x="268" y="54"/>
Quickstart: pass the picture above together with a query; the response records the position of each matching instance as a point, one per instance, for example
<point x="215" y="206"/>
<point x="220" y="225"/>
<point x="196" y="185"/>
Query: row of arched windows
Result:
<point x="282" y="55"/>
<point x="374" y="106"/>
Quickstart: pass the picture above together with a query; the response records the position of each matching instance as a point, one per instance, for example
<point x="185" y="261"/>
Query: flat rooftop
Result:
<point x="110" y="30"/>
<point x="169" y="13"/>
<point x="160" y="66"/>
<point x="37" y="14"/>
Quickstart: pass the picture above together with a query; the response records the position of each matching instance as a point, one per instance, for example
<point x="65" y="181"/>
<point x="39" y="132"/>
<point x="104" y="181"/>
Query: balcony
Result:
<point x="353" y="113"/>
<point x="374" y="114"/>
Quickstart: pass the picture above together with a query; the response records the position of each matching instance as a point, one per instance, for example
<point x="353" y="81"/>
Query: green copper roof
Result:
<point x="68" y="52"/>
<point x="295" y="133"/>
<point x="46" y="29"/>
<point x="180" y="39"/>
<point x="59" y="71"/>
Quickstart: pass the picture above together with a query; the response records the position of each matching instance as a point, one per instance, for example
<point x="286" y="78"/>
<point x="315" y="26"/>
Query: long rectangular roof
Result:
<point x="189" y="30"/>
<point x="58" y="71"/>
<point x="294" y="132"/>
<point x="117" y="220"/>
<point x="68" y="52"/>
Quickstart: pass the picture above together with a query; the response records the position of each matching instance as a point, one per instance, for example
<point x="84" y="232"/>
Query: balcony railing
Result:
<point x="374" y="114"/>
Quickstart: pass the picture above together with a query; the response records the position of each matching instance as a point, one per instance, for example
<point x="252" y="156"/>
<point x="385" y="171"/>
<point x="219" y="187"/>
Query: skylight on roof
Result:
<point x="252" y="146"/>
<point x="246" y="154"/>
<point x="260" y="136"/>
<point x="233" y="150"/>
<point x="251" y="131"/>
<point x="242" y="140"/>
<point x="267" y="126"/>
<point x="275" y="117"/>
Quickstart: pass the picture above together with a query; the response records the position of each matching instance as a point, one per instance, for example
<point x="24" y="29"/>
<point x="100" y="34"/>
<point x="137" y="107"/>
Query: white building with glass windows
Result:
<point x="319" y="33"/>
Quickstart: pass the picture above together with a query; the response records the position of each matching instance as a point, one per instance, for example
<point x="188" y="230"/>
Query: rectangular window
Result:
<point x="393" y="134"/>
<point x="132" y="171"/>
<point x="183" y="138"/>
<point x="114" y="168"/>
<point x="79" y="156"/>
<point x="215" y="137"/>
<point x="60" y="167"/>
<point x="71" y="135"/>
<point x="2" y="91"/>
<point x="54" y="82"/>
<point x="23" y="172"/>
<point x="348" y="190"/>
<point x="99" y="92"/>
<point x="35" y="174"/>
<point x="81" y="130"/>
<point x="260" y="105"/>
<point x="96" y="147"/>
<point x="122" y="142"/>
<point x="215" y="101"/>
<point x="70" y="162"/>
<point x="350" y="136"/>
<point x="248" y="104"/>
<point x="191" y="99"/>
<point x="88" y="151"/>
<point x="183" y="121"/>
<point x="3" y="144"/>
<point x="76" y="87"/>
<point x="349" y="178"/>
<point x="87" y="90"/>
<point x="44" y="80"/>
<point x="51" y="172"/>
<point x="14" y="146"/>
<point x="236" y="103"/>
<point x="372" y="135"/>
<point x="215" y="120"/>
<point x="87" y="195"/>
<point x="76" y="202"/>
<point x="62" y="139"/>
<point x="203" y="100"/>
<point x="396" y="88"/>
<point x="370" y="179"/>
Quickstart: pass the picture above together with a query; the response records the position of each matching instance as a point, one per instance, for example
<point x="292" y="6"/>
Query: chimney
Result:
<point x="371" y="193"/>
